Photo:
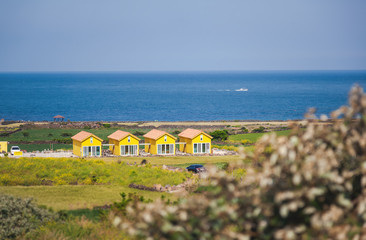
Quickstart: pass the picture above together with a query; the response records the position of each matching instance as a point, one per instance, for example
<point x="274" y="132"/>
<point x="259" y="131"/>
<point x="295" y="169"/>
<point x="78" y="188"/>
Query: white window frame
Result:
<point x="91" y="139"/>
<point x="201" y="137"/>
<point x="161" y="149"/>
<point x="132" y="150"/>
<point x="92" y="152"/>
<point x="199" y="148"/>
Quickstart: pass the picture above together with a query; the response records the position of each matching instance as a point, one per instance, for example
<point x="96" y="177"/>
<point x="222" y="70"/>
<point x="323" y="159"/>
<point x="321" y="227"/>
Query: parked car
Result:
<point x="196" y="168"/>
<point x="14" y="149"/>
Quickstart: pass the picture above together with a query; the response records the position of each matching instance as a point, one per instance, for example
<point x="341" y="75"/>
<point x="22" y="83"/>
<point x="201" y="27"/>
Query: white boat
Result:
<point x="242" y="90"/>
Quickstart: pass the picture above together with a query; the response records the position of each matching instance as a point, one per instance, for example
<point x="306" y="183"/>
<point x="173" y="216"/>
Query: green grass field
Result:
<point x="175" y="160"/>
<point x="86" y="196"/>
<point x="44" y="134"/>
<point x="48" y="134"/>
<point x="68" y="197"/>
<point x="253" y="137"/>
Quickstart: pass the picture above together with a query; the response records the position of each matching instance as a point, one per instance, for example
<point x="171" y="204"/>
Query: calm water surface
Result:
<point x="173" y="96"/>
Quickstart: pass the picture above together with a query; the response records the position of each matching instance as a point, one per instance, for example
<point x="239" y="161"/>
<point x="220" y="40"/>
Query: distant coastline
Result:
<point x="250" y="124"/>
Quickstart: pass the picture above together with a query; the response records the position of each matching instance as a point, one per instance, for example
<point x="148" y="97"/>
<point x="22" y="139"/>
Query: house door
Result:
<point x="92" y="151"/>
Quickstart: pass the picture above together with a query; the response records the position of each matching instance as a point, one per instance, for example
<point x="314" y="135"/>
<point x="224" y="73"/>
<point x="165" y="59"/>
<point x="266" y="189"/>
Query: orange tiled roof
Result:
<point x="119" y="135"/>
<point x="192" y="133"/>
<point x="81" y="136"/>
<point x="156" y="134"/>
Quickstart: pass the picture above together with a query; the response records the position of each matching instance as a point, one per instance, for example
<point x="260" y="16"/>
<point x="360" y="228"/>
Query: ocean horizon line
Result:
<point x="184" y="71"/>
<point x="160" y="121"/>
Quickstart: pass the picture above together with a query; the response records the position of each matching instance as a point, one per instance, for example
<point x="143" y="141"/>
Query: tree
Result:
<point x="220" y="135"/>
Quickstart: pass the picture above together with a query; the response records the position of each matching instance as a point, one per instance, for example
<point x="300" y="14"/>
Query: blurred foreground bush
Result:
<point x="18" y="216"/>
<point x="309" y="185"/>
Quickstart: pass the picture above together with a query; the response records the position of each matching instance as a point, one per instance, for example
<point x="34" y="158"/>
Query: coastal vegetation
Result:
<point x="88" y="192"/>
<point x="65" y="171"/>
<point x="308" y="185"/>
<point x="38" y="139"/>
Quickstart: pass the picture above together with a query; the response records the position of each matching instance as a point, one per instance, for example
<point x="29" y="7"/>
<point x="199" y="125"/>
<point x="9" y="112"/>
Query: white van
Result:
<point x="14" y="149"/>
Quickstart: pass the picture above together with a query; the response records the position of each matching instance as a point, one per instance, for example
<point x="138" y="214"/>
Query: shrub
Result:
<point x="258" y="130"/>
<point x="222" y="166"/>
<point x="231" y="142"/>
<point x="244" y="129"/>
<point x="63" y="140"/>
<point x="18" y="216"/>
<point x="66" y="134"/>
<point x="138" y="133"/>
<point x="4" y="134"/>
<point x="309" y="185"/>
<point x="78" y="227"/>
<point x="226" y="147"/>
<point x="106" y="125"/>
<point x="229" y="148"/>
<point x="26" y="134"/>
<point x="50" y="135"/>
<point x="176" y="132"/>
<point x="127" y="198"/>
<point x="220" y="135"/>
<point x="246" y="142"/>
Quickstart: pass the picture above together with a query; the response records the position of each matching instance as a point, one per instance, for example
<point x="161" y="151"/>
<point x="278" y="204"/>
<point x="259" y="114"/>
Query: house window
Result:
<point x="201" y="148"/>
<point x="128" y="150"/>
<point x="201" y="137"/>
<point x="165" y="148"/>
<point x="129" y="139"/>
<point x="91" y="139"/>
<point x="165" y="138"/>
<point x="92" y="151"/>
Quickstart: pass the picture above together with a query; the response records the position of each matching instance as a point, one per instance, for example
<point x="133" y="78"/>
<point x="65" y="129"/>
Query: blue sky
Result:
<point x="190" y="35"/>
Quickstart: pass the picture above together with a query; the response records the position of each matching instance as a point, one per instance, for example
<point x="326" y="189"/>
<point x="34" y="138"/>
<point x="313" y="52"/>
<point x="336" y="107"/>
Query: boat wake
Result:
<point x="242" y="90"/>
<point x="232" y="90"/>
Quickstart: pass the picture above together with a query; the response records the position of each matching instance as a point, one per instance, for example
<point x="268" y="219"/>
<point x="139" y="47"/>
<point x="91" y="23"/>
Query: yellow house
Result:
<point x="124" y="143"/>
<point x="159" y="142"/>
<point x="86" y="144"/>
<point x="197" y="141"/>
<point x="3" y="146"/>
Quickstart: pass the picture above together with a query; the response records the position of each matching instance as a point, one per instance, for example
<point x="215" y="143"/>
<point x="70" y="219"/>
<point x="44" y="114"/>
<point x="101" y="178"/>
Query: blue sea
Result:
<point x="174" y="96"/>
